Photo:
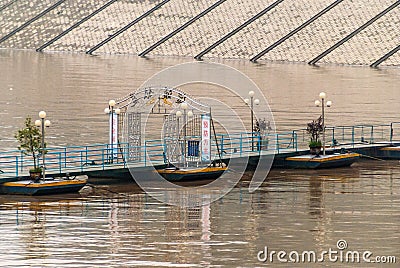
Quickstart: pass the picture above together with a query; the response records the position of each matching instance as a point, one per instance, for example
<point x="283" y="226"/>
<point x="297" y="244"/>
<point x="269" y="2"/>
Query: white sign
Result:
<point x="205" y="138"/>
<point x="113" y="136"/>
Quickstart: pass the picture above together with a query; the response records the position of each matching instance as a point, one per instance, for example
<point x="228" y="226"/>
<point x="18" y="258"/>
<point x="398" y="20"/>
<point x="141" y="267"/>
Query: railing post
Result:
<point x="86" y="154"/>
<point x="102" y="158"/>
<point x="108" y="152"/>
<point x="352" y="135"/>
<point x="362" y="133"/>
<point x="293" y="134"/>
<point x="81" y="161"/>
<point x="127" y="146"/>
<point x="16" y="165"/>
<point x="124" y="154"/>
<point x="342" y="134"/>
<point x="277" y="143"/>
<point x="333" y="135"/>
<point x="65" y="157"/>
<point x="126" y="159"/>
<point x="371" y="140"/>
<point x="59" y="162"/>
<point x="241" y="144"/>
<point x="145" y="154"/>
<point x="391" y="132"/>
<point x="222" y="144"/>
<point x="22" y="160"/>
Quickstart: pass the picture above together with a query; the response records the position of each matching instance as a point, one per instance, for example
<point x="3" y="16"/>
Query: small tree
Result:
<point x="29" y="139"/>
<point x="315" y="128"/>
<point x="262" y="127"/>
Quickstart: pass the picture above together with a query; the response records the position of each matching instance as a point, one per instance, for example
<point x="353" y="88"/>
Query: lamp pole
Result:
<point x="113" y="139"/>
<point x="43" y="123"/>
<point x="323" y="102"/>
<point x="252" y="101"/>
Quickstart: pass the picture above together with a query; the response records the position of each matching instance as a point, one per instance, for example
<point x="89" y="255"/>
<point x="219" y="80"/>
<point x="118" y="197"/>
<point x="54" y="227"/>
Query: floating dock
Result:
<point x="321" y="161"/>
<point x="391" y="152"/>
<point x="101" y="160"/>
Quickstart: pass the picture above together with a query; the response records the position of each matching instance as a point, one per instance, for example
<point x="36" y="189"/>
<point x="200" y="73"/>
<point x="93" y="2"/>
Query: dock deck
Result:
<point x="99" y="160"/>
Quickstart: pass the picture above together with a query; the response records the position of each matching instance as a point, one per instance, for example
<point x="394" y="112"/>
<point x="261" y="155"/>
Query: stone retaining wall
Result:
<point x="365" y="48"/>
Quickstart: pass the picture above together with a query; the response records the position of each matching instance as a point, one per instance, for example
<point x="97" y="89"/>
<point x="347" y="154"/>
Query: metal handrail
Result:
<point x="101" y="156"/>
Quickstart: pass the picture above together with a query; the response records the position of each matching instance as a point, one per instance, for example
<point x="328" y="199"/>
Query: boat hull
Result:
<point x="47" y="187"/>
<point x="209" y="173"/>
<point x="328" y="161"/>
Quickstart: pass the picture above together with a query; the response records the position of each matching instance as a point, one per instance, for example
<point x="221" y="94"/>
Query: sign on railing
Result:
<point x="205" y="138"/>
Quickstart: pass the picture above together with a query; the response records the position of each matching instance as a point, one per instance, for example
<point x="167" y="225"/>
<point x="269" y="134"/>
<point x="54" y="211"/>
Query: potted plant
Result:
<point x="29" y="139"/>
<point x="315" y="128"/>
<point x="262" y="129"/>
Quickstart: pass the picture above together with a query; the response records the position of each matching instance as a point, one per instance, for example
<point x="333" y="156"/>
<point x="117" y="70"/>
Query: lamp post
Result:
<point x="113" y="128"/>
<point x="317" y="103"/>
<point x="43" y="123"/>
<point x="252" y="102"/>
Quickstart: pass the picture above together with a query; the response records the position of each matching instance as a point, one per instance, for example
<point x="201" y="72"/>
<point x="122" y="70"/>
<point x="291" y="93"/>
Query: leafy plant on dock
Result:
<point x="29" y="139"/>
<point x="315" y="129"/>
<point x="262" y="129"/>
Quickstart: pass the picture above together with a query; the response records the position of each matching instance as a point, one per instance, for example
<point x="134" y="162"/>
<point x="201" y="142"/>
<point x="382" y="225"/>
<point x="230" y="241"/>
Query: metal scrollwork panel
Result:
<point x="134" y="137"/>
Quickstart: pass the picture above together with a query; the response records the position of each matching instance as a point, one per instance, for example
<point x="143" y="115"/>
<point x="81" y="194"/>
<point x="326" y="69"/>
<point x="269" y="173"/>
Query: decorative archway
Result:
<point x="138" y="105"/>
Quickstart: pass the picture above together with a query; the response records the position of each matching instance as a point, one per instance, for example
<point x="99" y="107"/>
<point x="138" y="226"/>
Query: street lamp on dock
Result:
<point x="252" y="102"/>
<point x="43" y="123"/>
<point x="113" y="126"/>
<point x="322" y="103"/>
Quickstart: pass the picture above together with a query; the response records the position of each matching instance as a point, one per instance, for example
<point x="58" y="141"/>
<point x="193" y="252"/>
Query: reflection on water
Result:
<point x="119" y="226"/>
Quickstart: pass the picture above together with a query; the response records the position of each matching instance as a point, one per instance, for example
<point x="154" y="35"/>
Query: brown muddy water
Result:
<point x="119" y="225"/>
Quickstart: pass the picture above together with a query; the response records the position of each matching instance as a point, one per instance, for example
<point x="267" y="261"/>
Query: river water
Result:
<point x="118" y="225"/>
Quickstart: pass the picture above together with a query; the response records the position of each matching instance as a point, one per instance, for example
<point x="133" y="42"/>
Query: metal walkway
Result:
<point x="101" y="157"/>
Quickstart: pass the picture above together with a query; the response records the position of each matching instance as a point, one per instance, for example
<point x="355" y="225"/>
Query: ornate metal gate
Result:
<point x="181" y="127"/>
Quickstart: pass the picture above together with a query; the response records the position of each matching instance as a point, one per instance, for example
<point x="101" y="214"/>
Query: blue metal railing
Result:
<point x="354" y="135"/>
<point x="102" y="156"/>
